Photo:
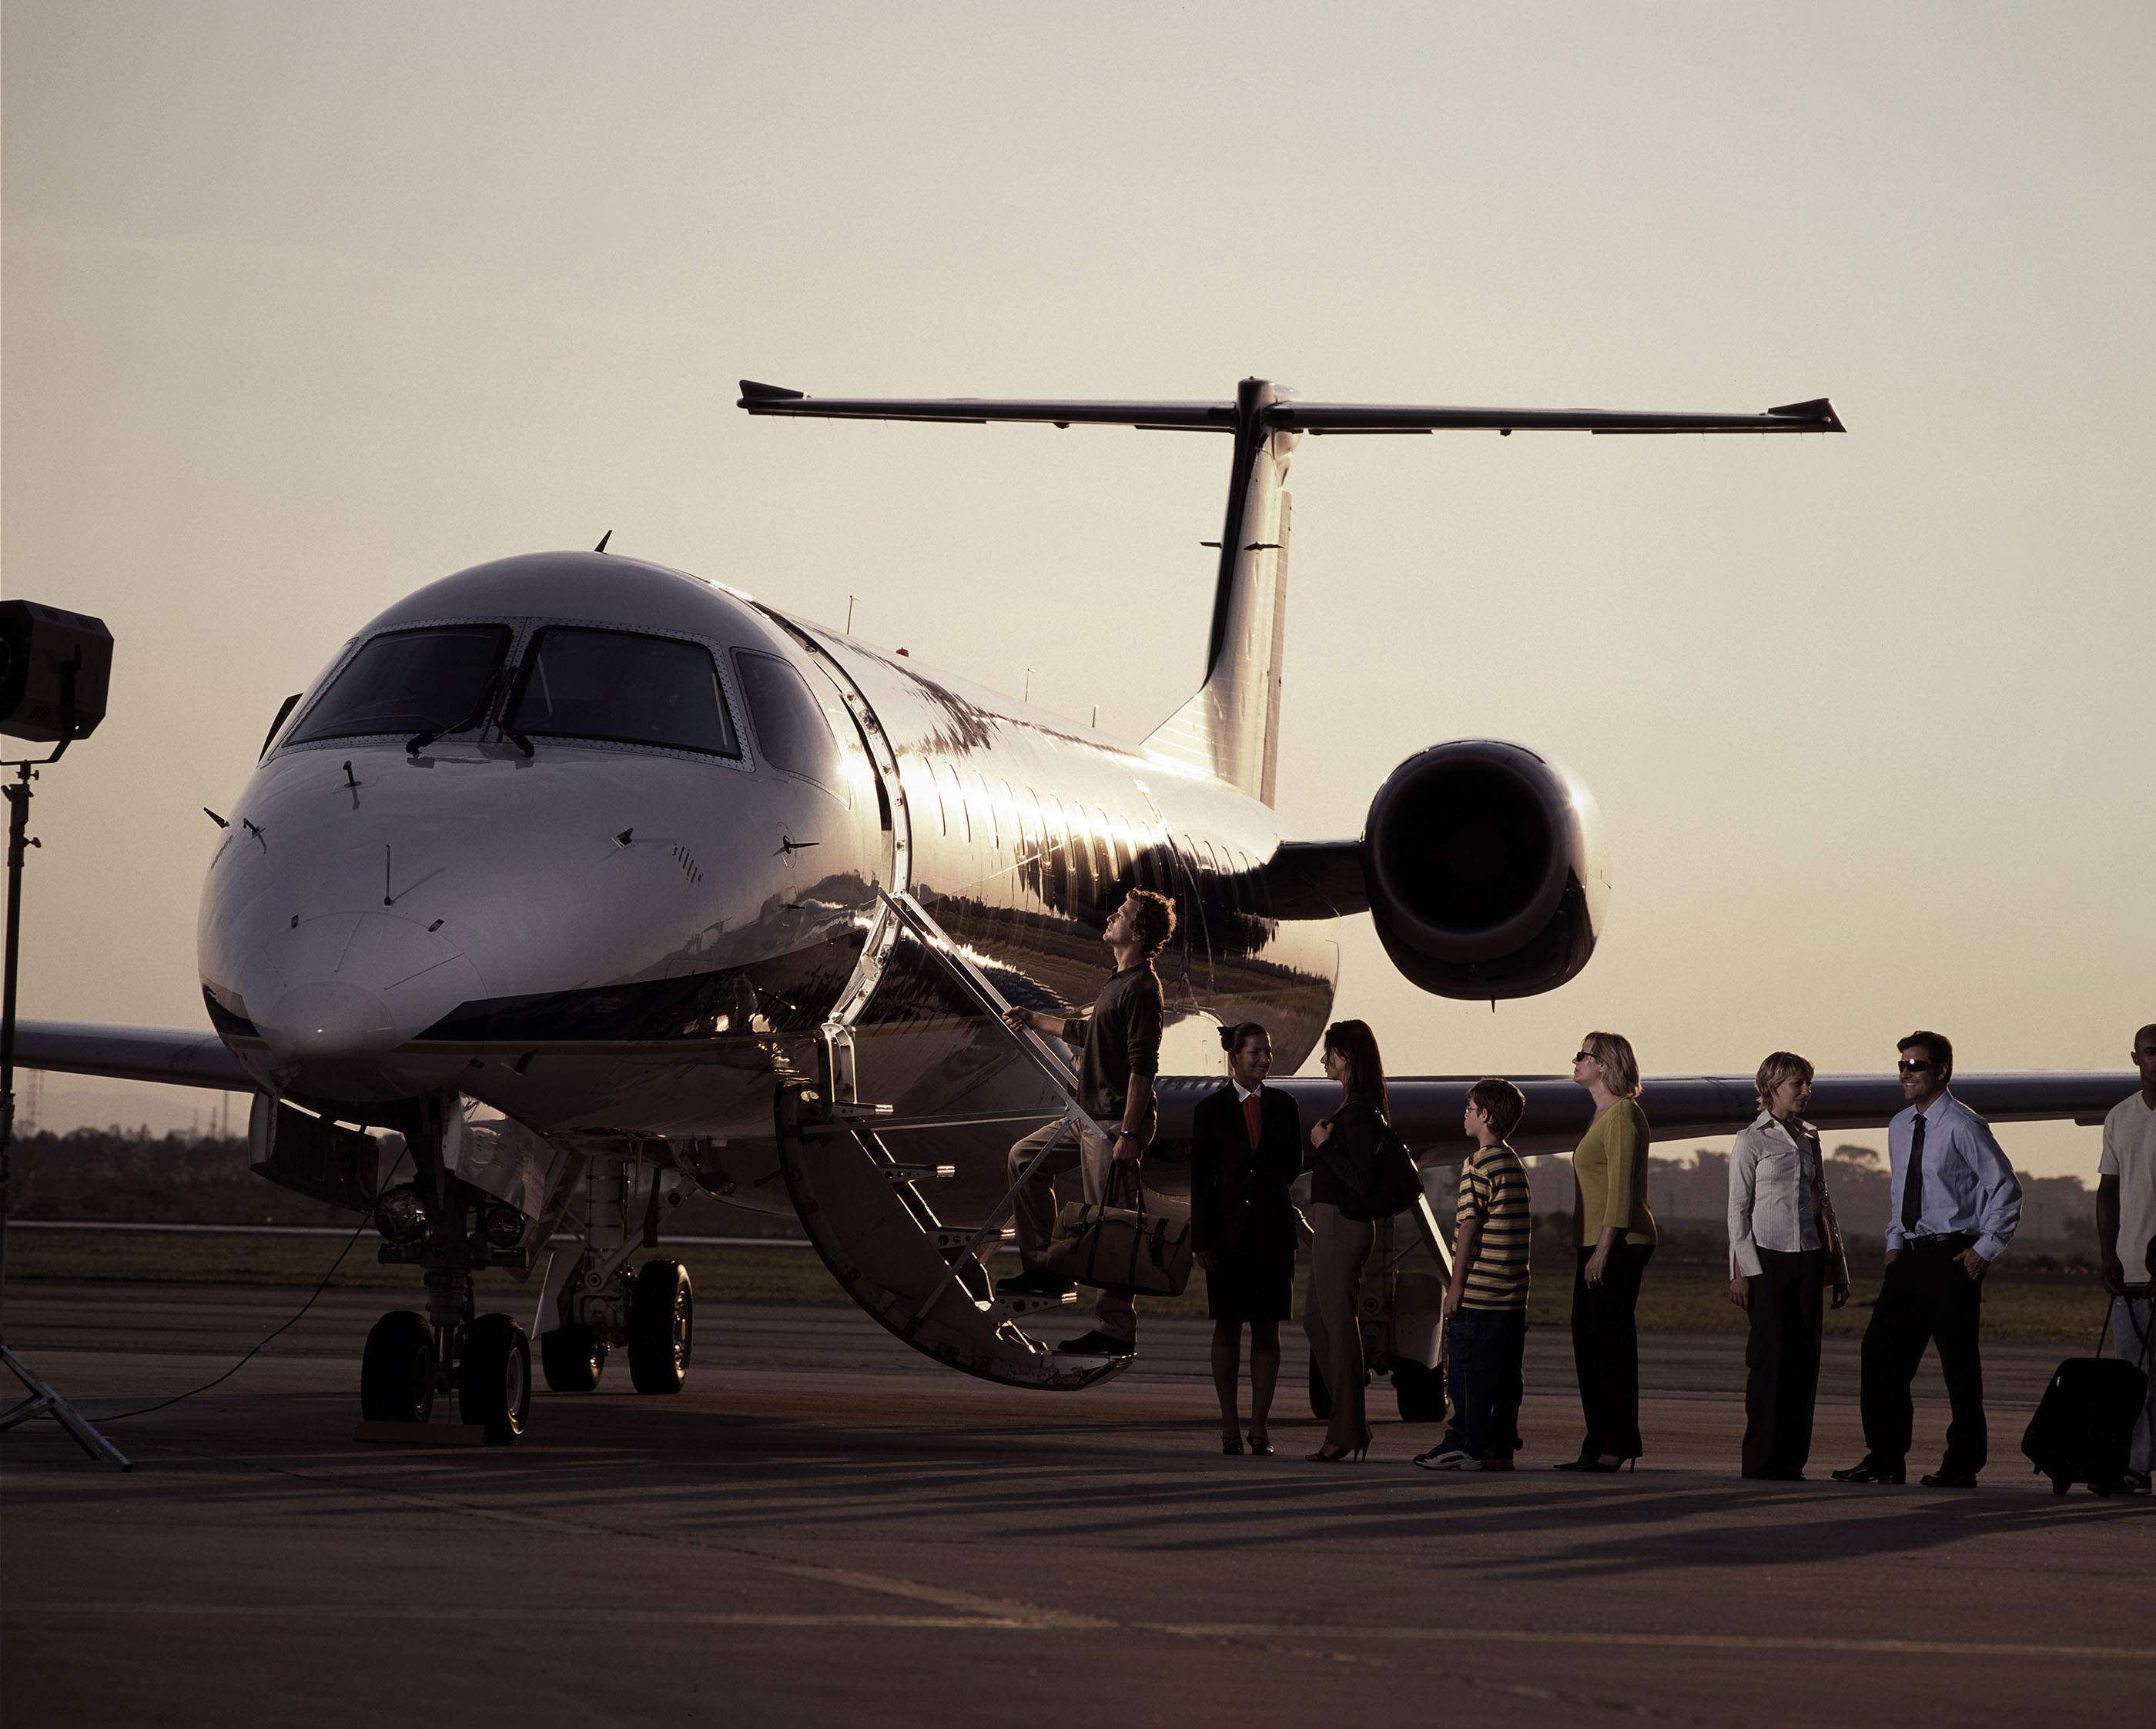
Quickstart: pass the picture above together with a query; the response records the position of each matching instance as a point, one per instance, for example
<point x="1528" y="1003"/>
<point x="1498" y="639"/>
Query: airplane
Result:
<point x="574" y="884"/>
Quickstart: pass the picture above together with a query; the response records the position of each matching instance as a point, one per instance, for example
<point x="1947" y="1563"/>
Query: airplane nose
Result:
<point x="329" y="1021"/>
<point x="345" y="991"/>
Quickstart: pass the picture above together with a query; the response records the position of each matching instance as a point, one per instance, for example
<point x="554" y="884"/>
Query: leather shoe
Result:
<point x="1097" y="1343"/>
<point x="1949" y="1479"/>
<point x="1035" y="1281"/>
<point x="1867" y="1472"/>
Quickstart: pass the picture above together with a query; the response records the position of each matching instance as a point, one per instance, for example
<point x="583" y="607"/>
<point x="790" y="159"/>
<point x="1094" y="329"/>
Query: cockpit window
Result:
<point x="790" y="727"/>
<point x="412" y="682"/>
<point x="614" y="685"/>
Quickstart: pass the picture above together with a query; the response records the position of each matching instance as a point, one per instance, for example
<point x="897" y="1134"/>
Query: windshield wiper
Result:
<point x="487" y="693"/>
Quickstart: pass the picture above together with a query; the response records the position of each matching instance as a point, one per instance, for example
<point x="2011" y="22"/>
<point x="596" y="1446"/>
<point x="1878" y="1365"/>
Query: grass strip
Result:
<point x="1672" y="1299"/>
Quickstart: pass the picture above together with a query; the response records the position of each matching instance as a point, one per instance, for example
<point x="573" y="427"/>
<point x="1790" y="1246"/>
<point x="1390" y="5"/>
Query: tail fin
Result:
<point x="1231" y="729"/>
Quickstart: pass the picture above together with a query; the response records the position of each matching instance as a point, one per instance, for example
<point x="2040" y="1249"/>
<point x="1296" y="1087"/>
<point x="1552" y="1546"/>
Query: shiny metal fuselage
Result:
<point x="607" y="940"/>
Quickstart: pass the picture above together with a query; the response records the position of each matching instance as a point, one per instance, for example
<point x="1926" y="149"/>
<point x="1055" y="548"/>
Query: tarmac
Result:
<point x="826" y="1526"/>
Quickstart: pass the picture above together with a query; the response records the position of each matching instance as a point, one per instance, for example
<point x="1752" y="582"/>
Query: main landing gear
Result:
<point x="599" y="1308"/>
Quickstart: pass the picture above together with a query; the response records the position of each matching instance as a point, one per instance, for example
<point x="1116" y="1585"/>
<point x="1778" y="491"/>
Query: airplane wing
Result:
<point x="178" y="1056"/>
<point x="1426" y="1110"/>
<point x="1816" y="416"/>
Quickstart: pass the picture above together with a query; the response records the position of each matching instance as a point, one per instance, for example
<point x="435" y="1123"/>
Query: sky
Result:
<point x="308" y="305"/>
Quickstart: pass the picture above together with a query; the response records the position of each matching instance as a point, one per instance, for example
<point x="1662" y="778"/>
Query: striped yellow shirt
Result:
<point x="1493" y="1191"/>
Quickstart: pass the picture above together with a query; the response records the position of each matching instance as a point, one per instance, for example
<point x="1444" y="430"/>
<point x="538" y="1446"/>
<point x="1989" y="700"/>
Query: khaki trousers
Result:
<point x="1092" y="1157"/>
<point x="1331" y="1317"/>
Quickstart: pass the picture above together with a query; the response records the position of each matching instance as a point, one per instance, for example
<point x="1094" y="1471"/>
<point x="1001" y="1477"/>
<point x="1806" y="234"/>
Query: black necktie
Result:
<point x="1912" y="1184"/>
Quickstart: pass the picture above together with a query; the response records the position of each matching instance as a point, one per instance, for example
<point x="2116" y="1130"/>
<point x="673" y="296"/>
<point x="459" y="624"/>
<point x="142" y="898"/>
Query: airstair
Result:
<point x="865" y="1205"/>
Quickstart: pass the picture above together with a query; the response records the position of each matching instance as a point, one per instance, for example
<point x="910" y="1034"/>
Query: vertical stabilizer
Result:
<point x="1231" y="729"/>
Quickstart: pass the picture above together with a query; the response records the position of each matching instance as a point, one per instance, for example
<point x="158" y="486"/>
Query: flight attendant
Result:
<point x="1245" y="1149"/>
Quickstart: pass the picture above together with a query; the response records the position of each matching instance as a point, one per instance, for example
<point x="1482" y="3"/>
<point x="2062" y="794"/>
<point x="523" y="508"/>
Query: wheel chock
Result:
<point x="426" y="1435"/>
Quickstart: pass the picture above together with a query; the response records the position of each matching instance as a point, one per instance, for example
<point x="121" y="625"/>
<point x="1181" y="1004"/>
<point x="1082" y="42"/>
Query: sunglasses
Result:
<point x="1585" y="1056"/>
<point x="1909" y="1065"/>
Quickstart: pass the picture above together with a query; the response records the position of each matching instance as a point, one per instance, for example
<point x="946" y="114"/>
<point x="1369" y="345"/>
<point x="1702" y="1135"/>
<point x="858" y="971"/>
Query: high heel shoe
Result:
<point x="1333" y="1455"/>
<point x="1231" y="1444"/>
<point x="1261" y="1446"/>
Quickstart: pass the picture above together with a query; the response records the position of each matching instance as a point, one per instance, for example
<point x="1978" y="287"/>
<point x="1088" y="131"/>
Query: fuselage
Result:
<point x="600" y="908"/>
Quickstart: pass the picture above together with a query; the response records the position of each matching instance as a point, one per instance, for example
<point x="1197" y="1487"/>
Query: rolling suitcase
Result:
<point x="2084" y="1423"/>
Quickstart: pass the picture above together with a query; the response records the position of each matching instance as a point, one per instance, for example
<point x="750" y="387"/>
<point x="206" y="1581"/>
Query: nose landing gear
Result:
<point x="451" y="1230"/>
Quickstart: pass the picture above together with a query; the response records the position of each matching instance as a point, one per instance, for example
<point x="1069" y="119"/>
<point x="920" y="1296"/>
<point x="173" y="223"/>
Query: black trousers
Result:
<point x="1926" y="1298"/>
<point x="1606" y="1350"/>
<point x="1782" y="1356"/>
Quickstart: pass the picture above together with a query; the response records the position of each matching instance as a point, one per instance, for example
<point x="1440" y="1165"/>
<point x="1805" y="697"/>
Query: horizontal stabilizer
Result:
<point x="1282" y="415"/>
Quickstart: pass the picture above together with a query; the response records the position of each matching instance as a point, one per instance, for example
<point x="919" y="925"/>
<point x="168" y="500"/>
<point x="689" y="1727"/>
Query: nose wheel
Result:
<point x="494" y="1381"/>
<point x="397" y="1374"/>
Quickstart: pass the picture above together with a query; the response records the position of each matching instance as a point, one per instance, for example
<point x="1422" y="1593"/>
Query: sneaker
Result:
<point x="1448" y="1458"/>
<point x="1498" y="1462"/>
<point x="1097" y="1343"/>
<point x="1034" y="1281"/>
<point x="2137" y="1482"/>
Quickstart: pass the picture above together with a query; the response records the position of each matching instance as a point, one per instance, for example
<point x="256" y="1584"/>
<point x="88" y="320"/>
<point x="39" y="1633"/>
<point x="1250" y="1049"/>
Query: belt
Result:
<point x="1942" y="1243"/>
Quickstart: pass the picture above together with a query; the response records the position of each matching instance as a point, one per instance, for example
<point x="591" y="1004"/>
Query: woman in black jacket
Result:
<point x="1343" y="1165"/>
<point x="1245" y="1148"/>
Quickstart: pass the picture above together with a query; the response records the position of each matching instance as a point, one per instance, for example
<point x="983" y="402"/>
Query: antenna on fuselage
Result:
<point x="603" y="539"/>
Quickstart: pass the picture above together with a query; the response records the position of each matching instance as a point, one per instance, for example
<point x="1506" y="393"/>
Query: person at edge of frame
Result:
<point x="1245" y="1149"/>
<point x="1952" y="1204"/>
<point x="1784" y="1246"/>
<point x="1486" y="1304"/>
<point x="1119" y="1059"/>
<point x="2126" y="1237"/>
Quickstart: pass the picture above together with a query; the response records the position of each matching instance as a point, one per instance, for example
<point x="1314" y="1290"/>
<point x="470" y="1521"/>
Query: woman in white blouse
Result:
<point x="1783" y="1248"/>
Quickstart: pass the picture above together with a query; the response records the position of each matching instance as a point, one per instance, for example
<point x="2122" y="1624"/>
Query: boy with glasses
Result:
<point x="1486" y="1306"/>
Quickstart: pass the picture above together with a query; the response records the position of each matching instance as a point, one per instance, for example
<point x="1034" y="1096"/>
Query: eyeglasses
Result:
<point x="1910" y="1066"/>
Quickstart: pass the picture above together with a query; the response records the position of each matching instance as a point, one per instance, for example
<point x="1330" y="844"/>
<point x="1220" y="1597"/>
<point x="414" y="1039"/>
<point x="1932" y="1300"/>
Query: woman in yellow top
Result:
<point x="1615" y="1234"/>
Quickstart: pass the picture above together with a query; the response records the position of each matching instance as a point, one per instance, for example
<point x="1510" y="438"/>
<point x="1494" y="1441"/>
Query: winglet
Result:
<point x="753" y="391"/>
<point x="1819" y="409"/>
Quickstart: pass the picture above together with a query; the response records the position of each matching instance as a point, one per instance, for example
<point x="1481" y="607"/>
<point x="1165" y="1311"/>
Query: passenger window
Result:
<point x="413" y="682"/>
<point x="964" y="823"/>
<point x="616" y="686"/>
<point x="790" y="727"/>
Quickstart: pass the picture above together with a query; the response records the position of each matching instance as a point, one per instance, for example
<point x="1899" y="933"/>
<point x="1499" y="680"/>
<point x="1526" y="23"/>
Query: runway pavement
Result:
<point x="827" y="1526"/>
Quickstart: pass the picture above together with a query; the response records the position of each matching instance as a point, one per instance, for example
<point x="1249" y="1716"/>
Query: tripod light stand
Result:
<point x="55" y="669"/>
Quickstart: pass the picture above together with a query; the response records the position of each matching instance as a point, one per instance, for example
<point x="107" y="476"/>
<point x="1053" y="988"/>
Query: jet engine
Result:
<point x="1485" y="866"/>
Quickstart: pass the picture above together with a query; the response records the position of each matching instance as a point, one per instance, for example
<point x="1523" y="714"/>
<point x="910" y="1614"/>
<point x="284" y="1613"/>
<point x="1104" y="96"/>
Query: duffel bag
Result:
<point x="1137" y="1250"/>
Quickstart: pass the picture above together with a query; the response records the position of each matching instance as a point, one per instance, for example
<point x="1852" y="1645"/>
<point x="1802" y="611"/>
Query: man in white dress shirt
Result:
<point x="1952" y="1203"/>
<point x="2126" y="1235"/>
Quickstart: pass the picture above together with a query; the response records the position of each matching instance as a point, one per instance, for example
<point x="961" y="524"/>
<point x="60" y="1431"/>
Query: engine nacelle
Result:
<point x="1485" y="869"/>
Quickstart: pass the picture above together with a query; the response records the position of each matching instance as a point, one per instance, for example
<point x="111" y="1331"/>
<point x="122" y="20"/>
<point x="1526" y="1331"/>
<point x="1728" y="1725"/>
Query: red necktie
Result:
<point x="1253" y="1118"/>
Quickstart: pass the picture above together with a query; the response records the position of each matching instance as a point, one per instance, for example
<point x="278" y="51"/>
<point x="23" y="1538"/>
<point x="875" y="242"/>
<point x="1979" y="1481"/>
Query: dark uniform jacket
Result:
<point x="1230" y="1181"/>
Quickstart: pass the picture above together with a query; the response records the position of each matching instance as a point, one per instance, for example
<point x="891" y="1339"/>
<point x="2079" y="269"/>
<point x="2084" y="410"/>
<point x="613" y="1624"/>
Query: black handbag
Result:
<point x="1395" y="1183"/>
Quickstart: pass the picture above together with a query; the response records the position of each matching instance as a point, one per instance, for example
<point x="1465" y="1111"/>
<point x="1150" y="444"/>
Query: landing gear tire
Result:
<point x="396" y="1372"/>
<point x="494" y="1382"/>
<point x="1321" y="1401"/>
<point x="662" y="1316"/>
<point x="573" y="1358"/>
<point x="1418" y="1391"/>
